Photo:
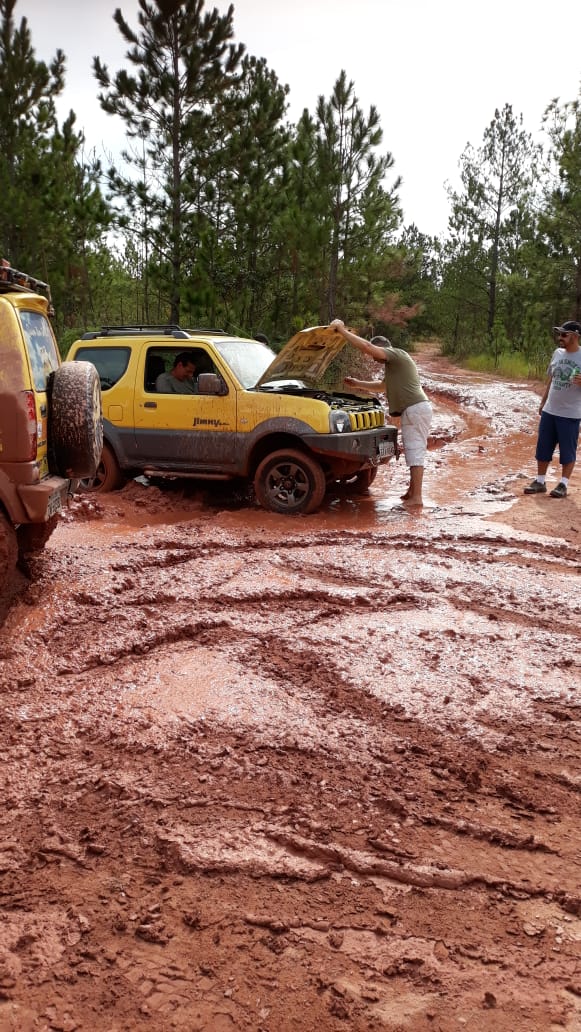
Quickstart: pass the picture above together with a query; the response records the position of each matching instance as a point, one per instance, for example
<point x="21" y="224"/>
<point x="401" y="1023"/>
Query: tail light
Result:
<point x="31" y="423"/>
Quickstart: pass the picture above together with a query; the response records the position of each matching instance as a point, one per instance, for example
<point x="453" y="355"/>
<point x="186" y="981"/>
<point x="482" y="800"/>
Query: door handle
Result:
<point x="150" y="404"/>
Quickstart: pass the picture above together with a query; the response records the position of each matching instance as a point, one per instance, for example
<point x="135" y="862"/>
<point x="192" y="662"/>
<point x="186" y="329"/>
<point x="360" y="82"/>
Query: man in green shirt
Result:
<point x="180" y="379"/>
<point x="405" y="398"/>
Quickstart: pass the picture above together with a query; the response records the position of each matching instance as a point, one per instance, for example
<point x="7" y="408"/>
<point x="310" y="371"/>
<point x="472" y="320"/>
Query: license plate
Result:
<point x="386" y="448"/>
<point x="55" y="504"/>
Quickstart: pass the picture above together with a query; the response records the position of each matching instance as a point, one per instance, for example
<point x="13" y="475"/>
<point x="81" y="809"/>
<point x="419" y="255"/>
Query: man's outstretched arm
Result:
<point x="360" y="343"/>
<point x="369" y="386"/>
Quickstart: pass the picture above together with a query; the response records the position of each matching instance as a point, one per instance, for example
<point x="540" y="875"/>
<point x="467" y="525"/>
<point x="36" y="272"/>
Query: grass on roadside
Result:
<point x="511" y="365"/>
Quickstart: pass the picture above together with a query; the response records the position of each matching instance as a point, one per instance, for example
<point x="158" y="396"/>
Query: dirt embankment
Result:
<point x="320" y="773"/>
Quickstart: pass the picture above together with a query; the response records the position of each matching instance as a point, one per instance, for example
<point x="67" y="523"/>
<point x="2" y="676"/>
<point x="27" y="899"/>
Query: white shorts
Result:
<point x="415" y="426"/>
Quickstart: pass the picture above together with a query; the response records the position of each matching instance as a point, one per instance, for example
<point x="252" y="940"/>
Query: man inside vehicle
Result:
<point x="180" y="379"/>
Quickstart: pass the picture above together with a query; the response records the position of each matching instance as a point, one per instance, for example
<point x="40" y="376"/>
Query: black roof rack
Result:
<point x="166" y="330"/>
<point x="12" y="279"/>
<point x="163" y="329"/>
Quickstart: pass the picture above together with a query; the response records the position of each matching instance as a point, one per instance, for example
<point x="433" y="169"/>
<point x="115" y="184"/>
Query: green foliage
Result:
<point x="221" y="213"/>
<point x="51" y="208"/>
<point x="511" y="267"/>
<point x="175" y="108"/>
<point x="512" y="365"/>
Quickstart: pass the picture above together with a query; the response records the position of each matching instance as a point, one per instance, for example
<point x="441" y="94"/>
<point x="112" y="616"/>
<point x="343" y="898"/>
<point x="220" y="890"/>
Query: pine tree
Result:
<point x="560" y="225"/>
<point x="51" y="208"/>
<point x="248" y="199"/>
<point x="351" y="175"/>
<point x="28" y="89"/>
<point x="185" y="63"/>
<point x="497" y="180"/>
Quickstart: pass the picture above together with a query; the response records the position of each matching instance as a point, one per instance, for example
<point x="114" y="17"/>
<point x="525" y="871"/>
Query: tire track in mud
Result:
<point x="352" y="864"/>
<point x="165" y="914"/>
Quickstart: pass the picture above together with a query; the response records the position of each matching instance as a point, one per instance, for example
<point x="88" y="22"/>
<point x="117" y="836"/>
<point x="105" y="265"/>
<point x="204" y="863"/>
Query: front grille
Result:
<point x="366" y="420"/>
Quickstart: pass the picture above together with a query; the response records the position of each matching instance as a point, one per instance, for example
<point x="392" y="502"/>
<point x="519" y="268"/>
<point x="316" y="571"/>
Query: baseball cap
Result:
<point x="568" y="327"/>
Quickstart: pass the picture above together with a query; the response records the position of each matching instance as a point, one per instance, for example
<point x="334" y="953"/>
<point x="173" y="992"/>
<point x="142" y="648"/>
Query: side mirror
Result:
<point x="211" y="383"/>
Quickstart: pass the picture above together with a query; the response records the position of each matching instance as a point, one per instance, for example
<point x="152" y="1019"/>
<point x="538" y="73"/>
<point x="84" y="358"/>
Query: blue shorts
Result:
<point x="559" y="430"/>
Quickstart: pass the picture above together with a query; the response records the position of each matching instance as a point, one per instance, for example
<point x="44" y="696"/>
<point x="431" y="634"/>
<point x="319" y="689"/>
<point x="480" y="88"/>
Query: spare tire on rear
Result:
<point x="75" y="426"/>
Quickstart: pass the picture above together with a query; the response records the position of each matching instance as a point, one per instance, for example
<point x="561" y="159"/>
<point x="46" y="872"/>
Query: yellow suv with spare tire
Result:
<point x="50" y="420"/>
<point x="275" y="420"/>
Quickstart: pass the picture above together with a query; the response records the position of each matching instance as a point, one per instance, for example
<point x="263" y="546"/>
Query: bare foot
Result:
<point x="405" y="497"/>
<point x="414" y="500"/>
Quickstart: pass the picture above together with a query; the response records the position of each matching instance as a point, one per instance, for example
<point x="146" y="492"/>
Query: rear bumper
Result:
<point x="43" y="500"/>
<point x="362" y="447"/>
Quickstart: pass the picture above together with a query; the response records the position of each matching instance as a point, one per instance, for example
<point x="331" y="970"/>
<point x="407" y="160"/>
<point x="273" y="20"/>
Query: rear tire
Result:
<point x="108" y="475"/>
<point x="75" y="422"/>
<point x="32" y="537"/>
<point x="8" y="548"/>
<point x="8" y="560"/>
<point x="290" y="482"/>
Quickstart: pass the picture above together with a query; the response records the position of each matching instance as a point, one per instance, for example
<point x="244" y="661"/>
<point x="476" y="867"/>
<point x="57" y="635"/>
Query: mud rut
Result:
<point x="310" y="774"/>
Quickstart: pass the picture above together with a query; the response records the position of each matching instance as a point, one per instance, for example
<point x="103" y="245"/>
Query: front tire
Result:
<point x="290" y="482"/>
<point x="108" y="475"/>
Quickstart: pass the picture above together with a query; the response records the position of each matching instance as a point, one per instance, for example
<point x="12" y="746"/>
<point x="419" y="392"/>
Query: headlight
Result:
<point x="339" y="422"/>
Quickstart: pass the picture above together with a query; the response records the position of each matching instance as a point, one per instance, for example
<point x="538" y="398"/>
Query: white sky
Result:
<point x="435" y="69"/>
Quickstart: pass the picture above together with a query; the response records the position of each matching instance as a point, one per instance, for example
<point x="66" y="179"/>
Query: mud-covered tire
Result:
<point x="290" y="482"/>
<point x="8" y="560"/>
<point x="8" y="548"/>
<point x="32" y="537"/>
<point x="107" y="477"/>
<point x="75" y="430"/>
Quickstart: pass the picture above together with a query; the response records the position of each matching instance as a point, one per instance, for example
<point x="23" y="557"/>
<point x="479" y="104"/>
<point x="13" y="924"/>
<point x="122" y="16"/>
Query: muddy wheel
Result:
<point x="289" y="482"/>
<point x="108" y="475"/>
<point x="8" y="559"/>
<point x="75" y="423"/>
<point x="8" y="548"/>
<point x="362" y="481"/>
<point x="32" y="537"/>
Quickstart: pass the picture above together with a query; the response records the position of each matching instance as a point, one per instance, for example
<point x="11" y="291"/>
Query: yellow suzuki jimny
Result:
<point x="202" y="403"/>
<point x="50" y="420"/>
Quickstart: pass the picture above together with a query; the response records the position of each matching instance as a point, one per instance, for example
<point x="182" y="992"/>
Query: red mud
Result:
<point x="321" y="773"/>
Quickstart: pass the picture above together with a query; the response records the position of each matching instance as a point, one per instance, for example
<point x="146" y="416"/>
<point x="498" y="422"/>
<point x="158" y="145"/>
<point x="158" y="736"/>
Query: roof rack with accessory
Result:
<point x="13" y="279"/>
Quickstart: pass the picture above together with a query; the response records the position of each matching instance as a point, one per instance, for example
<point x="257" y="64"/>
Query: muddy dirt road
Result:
<point x="320" y="773"/>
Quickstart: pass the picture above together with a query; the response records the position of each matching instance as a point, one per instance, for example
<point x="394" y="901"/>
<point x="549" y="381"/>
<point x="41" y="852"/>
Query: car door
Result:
<point x="183" y="432"/>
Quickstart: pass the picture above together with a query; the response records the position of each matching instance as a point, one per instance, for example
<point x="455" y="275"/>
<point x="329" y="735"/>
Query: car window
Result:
<point x="161" y="360"/>
<point x="44" y="358"/>
<point x="110" y="363"/>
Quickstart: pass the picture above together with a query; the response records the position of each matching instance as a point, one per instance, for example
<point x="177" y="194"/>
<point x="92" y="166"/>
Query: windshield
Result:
<point x="247" y="359"/>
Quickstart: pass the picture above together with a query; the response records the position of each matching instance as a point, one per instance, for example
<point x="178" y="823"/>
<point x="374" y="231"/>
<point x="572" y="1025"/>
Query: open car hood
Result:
<point x="306" y="356"/>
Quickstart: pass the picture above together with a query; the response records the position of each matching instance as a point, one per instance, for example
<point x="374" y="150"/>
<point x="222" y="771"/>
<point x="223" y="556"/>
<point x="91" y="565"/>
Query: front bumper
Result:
<point x="361" y="447"/>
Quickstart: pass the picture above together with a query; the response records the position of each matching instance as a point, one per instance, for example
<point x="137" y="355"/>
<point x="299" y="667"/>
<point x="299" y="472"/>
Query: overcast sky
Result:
<point x="435" y="69"/>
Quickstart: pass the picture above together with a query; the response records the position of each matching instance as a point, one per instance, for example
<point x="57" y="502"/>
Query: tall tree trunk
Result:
<point x="578" y="289"/>
<point x="494" y="255"/>
<point x="176" y="244"/>
<point x="333" y="272"/>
